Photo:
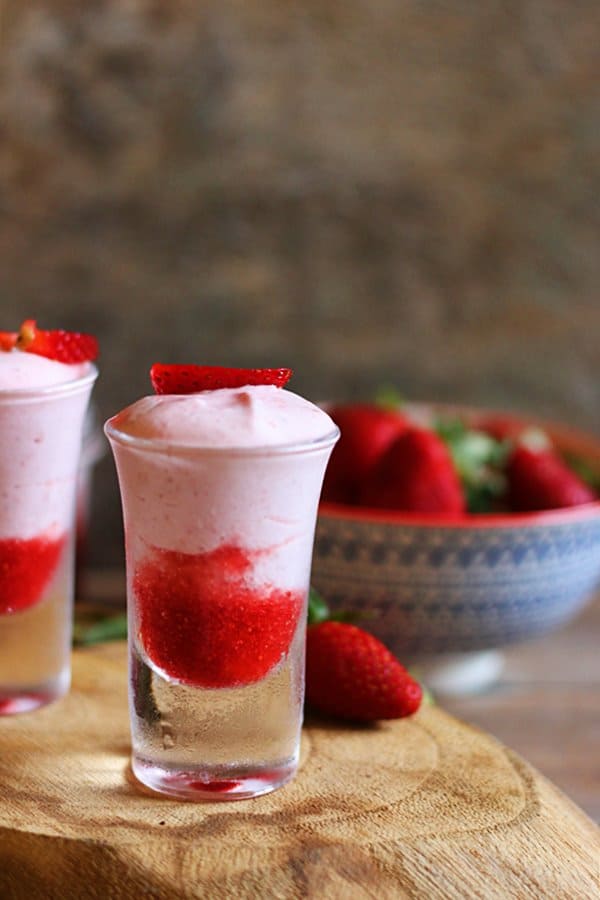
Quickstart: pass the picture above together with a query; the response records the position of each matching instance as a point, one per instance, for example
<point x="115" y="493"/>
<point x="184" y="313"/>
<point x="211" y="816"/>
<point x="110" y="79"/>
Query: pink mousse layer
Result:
<point x="40" y="445"/>
<point x="257" y="416"/>
<point x="177" y="497"/>
<point x="27" y="371"/>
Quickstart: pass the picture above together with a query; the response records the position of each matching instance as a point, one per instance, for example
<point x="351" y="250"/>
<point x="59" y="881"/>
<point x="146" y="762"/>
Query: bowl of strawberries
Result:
<point x="453" y="532"/>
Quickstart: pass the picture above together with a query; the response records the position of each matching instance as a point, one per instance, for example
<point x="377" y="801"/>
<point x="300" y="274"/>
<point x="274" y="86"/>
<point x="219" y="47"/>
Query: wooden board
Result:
<point x="423" y="807"/>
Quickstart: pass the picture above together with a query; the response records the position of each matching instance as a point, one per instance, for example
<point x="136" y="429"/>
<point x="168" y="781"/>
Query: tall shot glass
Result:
<point x="219" y="550"/>
<point x="40" y="440"/>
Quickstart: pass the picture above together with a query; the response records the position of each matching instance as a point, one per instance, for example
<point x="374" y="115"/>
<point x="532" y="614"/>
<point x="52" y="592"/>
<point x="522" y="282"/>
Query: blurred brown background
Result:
<point x="371" y="192"/>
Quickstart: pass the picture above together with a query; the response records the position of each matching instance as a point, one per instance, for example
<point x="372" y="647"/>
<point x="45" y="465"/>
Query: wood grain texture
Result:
<point x="546" y="706"/>
<point x="425" y="807"/>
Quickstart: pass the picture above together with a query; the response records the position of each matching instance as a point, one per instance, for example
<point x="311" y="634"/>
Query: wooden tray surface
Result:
<point x="426" y="807"/>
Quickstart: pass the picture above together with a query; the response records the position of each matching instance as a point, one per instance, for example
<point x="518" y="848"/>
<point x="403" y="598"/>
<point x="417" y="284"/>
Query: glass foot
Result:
<point x="211" y="785"/>
<point x="17" y="700"/>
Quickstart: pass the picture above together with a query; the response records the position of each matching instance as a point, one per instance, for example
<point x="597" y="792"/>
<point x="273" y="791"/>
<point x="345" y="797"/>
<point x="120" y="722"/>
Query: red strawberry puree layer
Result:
<point x="26" y="568"/>
<point x="202" y="623"/>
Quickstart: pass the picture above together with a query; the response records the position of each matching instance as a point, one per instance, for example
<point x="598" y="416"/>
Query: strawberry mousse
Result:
<point x="23" y="371"/>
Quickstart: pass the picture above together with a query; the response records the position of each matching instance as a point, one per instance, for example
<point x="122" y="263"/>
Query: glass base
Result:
<point x="218" y="784"/>
<point x="27" y="698"/>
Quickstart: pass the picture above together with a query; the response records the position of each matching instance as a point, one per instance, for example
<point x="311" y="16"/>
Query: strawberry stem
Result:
<point x="27" y="334"/>
<point x="318" y="610"/>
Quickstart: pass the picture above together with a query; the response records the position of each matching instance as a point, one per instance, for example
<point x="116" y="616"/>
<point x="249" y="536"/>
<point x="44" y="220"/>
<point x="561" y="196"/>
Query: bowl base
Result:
<point x="458" y="674"/>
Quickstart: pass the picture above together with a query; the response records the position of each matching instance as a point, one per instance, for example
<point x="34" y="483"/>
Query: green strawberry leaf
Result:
<point x="108" y="628"/>
<point x="318" y="610"/>
<point x="484" y="497"/>
<point x="479" y="460"/>
<point x="388" y="397"/>
<point x="584" y="469"/>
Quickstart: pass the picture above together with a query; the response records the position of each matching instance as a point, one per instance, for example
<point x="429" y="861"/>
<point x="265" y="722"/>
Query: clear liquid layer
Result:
<point x="35" y="647"/>
<point x="220" y="743"/>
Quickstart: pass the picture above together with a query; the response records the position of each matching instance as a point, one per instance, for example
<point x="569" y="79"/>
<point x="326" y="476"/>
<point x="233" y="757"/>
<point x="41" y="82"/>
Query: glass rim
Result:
<point x="51" y="390"/>
<point x="171" y="448"/>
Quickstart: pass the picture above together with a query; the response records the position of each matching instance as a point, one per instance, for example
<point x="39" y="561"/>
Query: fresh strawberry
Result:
<point x="203" y="624"/>
<point x="366" y="433"/>
<point x="416" y="474"/>
<point x="539" y="479"/>
<point x="26" y="568"/>
<point x="8" y="340"/>
<point x="352" y="675"/>
<point x="62" y="346"/>
<point x="182" y="379"/>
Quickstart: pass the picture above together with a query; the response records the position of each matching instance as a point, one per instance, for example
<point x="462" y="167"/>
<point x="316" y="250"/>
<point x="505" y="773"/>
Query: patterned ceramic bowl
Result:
<point x="437" y="587"/>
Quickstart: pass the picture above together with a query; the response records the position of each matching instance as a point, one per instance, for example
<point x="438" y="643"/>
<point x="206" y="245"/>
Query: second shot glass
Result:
<point x="39" y="464"/>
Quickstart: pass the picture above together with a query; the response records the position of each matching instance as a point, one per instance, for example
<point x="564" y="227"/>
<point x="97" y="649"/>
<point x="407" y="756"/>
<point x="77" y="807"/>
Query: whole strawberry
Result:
<point x="538" y="479"/>
<point x="352" y="675"/>
<point x="416" y="474"/>
<point x="366" y="433"/>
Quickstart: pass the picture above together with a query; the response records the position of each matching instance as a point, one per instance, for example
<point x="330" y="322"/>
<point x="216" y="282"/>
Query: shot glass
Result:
<point x="219" y="549"/>
<point x="39" y="462"/>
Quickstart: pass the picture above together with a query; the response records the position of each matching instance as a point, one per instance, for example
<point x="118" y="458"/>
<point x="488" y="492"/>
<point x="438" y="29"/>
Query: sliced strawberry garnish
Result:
<point x="62" y="346"/>
<point x="204" y="625"/>
<point x="182" y="379"/>
<point x="8" y="340"/>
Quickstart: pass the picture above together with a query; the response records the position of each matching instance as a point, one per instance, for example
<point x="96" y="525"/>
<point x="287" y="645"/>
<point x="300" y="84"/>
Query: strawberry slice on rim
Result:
<point x="184" y="379"/>
<point x="62" y="346"/>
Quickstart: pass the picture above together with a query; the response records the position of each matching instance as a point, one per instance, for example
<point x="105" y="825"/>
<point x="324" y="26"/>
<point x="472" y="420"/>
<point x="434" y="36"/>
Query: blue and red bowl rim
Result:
<point x="473" y="521"/>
